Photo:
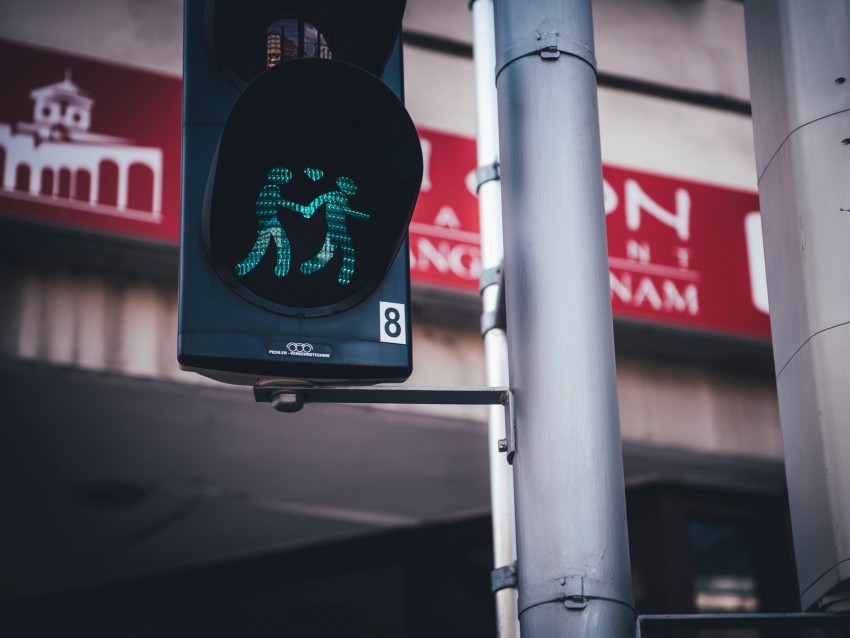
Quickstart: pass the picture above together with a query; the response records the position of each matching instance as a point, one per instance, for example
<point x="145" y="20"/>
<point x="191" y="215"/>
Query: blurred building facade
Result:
<point x="183" y="503"/>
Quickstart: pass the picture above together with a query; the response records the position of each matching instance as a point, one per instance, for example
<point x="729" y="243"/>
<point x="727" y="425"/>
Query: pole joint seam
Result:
<point x="574" y="590"/>
<point x="548" y="44"/>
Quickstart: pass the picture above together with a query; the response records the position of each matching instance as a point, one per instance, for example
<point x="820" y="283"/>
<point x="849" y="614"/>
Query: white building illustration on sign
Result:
<point x="56" y="159"/>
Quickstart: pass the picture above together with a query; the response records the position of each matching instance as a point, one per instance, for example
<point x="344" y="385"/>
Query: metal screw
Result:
<point x="503" y="445"/>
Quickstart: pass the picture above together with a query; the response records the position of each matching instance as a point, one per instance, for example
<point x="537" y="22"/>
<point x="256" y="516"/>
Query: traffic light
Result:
<point x="301" y="169"/>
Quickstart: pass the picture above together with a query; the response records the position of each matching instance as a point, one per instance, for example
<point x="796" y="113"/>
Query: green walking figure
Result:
<point x="269" y="226"/>
<point x="336" y="209"/>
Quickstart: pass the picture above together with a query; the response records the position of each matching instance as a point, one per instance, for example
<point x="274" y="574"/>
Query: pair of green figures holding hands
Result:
<point x="269" y="227"/>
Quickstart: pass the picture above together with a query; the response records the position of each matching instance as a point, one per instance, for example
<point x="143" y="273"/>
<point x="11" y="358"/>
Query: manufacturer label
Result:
<point x="300" y="349"/>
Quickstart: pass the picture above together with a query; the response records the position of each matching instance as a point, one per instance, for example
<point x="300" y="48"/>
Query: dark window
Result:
<point x="705" y="551"/>
<point x="140" y="187"/>
<point x="22" y="178"/>
<point x="64" y="183"/>
<point x="47" y="184"/>
<point x="723" y="564"/>
<point x="107" y="184"/>
<point x="82" y="188"/>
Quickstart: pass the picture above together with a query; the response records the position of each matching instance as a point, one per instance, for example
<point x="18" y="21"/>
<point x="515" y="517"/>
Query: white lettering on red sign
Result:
<point x="637" y="200"/>
<point x="660" y="294"/>
<point x="447" y="218"/>
<point x="446" y="258"/>
<point x="679" y="251"/>
<point x="667" y="285"/>
<point x="426" y="165"/>
<point x="444" y="240"/>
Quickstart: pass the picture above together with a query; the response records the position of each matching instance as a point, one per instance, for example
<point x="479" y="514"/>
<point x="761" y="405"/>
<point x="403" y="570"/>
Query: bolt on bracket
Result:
<point x="573" y="584"/>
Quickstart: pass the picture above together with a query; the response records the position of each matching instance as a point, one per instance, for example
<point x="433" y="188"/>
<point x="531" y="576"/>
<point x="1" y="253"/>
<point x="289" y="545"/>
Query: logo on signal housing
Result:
<point x="300" y="349"/>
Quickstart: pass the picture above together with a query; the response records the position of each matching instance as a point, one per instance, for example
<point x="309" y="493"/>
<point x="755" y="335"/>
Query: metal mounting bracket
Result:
<point x="503" y="578"/>
<point x="486" y="173"/>
<point x="289" y="398"/>
<point x="574" y="589"/>
<point x="497" y="317"/>
<point x="548" y="43"/>
<point x="490" y="277"/>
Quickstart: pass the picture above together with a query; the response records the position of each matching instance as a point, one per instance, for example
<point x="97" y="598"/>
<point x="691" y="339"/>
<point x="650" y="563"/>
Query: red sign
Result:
<point x="89" y="144"/>
<point x="92" y="145"/>
<point x="680" y="252"/>
<point x="685" y="253"/>
<point x="444" y="232"/>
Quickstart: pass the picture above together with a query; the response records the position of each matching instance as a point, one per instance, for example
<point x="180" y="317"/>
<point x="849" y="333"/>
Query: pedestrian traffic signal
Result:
<point x="329" y="179"/>
<point x="300" y="175"/>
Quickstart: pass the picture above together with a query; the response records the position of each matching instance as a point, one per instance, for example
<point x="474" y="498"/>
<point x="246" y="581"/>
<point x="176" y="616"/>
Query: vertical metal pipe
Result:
<point x="799" y="60"/>
<point x="495" y="344"/>
<point x="572" y="543"/>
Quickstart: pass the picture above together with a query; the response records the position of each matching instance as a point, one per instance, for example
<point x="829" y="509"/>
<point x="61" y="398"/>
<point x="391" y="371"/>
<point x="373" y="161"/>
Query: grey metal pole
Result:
<point x="799" y="59"/>
<point x="572" y="543"/>
<point x="495" y="343"/>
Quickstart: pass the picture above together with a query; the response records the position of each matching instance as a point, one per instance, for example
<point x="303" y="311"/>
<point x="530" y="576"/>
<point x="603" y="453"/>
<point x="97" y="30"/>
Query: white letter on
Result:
<point x="673" y="300"/>
<point x="637" y="200"/>
<point x="621" y="288"/>
<point x="426" y="163"/>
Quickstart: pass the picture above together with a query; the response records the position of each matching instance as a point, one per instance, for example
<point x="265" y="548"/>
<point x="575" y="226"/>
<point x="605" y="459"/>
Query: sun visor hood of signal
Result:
<point x="361" y="33"/>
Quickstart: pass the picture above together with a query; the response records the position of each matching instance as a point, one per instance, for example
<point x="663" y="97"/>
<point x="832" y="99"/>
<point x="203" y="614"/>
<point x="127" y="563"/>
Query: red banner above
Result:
<point x="89" y="144"/>
<point x="444" y="231"/>
<point x="96" y="146"/>
<point x="680" y="252"/>
<point x="685" y="253"/>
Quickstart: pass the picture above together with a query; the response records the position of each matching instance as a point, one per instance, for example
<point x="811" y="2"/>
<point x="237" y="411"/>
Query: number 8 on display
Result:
<point x="392" y="323"/>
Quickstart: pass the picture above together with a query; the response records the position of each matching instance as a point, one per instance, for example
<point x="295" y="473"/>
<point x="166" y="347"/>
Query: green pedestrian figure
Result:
<point x="336" y="209"/>
<point x="268" y="225"/>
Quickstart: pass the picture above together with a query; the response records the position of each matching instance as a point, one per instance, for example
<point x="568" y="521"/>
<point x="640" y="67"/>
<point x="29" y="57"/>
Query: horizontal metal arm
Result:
<point x="388" y="394"/>
<point x="287" y="398"/>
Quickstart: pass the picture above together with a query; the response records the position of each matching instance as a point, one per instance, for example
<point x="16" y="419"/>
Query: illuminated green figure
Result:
<point x="269" y="226"/>
<point x="336" y="208"/>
